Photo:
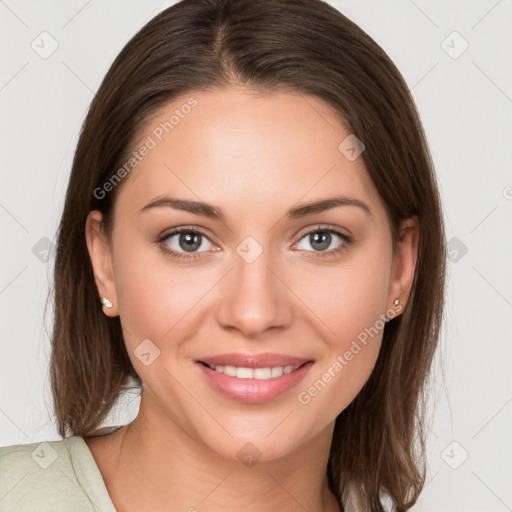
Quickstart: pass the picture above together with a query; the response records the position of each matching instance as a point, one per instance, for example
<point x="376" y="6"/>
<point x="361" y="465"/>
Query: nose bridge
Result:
<point x="253" y="298"/>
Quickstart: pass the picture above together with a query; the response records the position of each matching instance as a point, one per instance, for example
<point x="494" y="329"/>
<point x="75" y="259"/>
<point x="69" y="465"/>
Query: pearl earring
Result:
<point x="106" y="302"/>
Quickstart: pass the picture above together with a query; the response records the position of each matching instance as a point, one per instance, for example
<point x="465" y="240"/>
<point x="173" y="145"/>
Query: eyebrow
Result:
<point x="208" y="210"/>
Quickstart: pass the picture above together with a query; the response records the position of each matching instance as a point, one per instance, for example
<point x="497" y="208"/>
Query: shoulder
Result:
<point x="46" y="476"/>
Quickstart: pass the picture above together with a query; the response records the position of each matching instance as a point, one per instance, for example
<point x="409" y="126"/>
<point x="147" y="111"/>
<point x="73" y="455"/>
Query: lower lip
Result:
<point x="253" y="391"/>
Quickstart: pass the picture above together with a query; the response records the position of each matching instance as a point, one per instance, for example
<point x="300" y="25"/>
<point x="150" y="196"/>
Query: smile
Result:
<point x="253" y="379"/>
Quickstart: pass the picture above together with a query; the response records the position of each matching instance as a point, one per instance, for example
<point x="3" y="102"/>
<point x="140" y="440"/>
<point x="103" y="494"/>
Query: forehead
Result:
<point x="238" y="146"/>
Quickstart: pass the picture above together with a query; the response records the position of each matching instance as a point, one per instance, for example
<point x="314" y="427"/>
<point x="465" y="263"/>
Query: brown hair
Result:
<point x="308" y="47"/>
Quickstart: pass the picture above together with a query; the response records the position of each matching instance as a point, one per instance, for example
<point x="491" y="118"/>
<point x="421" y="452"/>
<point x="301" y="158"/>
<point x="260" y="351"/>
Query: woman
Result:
<point x="252" y="236"/>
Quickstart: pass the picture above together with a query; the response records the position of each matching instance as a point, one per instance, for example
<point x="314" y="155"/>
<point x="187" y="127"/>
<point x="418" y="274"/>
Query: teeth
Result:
<point x="262" y="373"/>
<point x="277" y="371"/>
<point x="245" y="373"/>
<point x="254" y="373"/>
<point x="228" y="370"/>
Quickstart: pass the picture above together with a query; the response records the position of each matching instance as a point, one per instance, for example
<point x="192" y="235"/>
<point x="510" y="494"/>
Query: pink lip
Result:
<point x="253" y="391"/>
<point x="265" y="360"/>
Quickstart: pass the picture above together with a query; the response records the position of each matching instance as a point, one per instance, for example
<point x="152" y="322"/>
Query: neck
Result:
<point x="153" y="462"/>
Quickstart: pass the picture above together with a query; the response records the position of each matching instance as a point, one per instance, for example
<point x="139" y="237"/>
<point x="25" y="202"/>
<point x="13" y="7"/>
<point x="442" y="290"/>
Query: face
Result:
<point x="250" y="314"/>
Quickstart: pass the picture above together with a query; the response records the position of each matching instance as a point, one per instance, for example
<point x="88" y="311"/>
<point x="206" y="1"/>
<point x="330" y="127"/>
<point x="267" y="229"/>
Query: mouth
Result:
<point x="253" y="378"/>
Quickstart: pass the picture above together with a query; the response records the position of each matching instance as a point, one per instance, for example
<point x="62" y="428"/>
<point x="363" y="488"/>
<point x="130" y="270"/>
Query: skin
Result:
<point x="254" y="156"/>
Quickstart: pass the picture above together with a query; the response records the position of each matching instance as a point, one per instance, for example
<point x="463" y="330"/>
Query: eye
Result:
<point x="185" y="242"/>
<point x="324" y="241"/>
<point x="189" y="243"/>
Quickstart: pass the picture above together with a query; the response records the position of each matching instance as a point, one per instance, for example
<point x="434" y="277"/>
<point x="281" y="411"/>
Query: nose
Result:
<point x="254" y="297"/>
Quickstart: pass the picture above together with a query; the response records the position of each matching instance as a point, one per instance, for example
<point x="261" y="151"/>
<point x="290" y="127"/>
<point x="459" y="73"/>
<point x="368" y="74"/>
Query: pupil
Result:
<point x="322" y="238"/>
<point x="190" y="241"/>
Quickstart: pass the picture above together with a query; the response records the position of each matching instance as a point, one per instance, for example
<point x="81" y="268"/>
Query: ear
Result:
<point x="404" y="263"/>
<point x="101" y="260"/>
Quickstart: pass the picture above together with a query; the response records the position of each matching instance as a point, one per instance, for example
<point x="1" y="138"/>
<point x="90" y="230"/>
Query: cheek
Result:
<point x="350" y="304"/>
<point x="155" y="298"/>
<point x="350" y="298"/>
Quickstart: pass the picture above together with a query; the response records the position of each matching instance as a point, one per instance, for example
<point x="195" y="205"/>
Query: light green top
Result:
<point x="52" y="476"/>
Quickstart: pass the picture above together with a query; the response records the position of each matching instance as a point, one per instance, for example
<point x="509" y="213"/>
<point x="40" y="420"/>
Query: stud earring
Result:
<point x="106" y="302"/>
<point x="396" y="302"/>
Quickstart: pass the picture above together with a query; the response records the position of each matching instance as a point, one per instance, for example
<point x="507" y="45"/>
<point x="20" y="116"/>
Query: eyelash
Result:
<point x="347" y="240"/>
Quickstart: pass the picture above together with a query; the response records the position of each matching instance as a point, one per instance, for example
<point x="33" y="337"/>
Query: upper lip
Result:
<point x="254" y="360"/>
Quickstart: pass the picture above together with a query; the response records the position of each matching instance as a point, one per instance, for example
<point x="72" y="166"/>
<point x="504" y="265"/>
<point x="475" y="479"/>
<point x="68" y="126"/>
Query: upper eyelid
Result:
<point x="326" y="227"/>
<point x="183" y="229"/>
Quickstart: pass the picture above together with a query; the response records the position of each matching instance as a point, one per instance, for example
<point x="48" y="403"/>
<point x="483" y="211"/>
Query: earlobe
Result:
<point x="404" y="262"/>
<point x="101" y="260"/>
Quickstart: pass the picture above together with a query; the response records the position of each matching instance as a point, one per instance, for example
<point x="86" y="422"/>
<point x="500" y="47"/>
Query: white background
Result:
<point x="466" y="107"/>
